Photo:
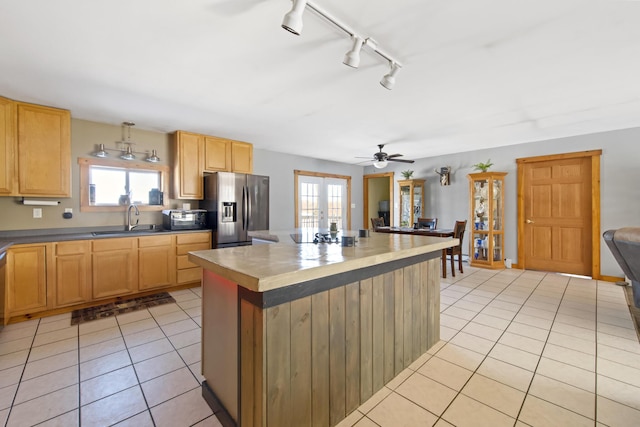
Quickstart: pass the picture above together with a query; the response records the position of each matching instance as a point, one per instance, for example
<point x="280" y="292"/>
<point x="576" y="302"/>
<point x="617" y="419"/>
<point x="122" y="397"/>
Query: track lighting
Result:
<point x="293" y="22"/>
<point x="389" y="80"/>
<point x="352" y="58"/>
<point x="127" y="153"/>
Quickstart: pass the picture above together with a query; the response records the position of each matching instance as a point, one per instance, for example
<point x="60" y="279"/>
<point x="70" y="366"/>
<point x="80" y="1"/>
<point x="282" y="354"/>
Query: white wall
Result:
<point x="620" y="183"/>
<point x="279" y="167"/>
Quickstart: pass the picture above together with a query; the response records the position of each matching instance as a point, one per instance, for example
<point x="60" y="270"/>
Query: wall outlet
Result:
<point x="37" y="212"/>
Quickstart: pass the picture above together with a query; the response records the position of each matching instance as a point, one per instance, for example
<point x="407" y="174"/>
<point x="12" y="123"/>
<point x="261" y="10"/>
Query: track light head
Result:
<point x="389" y="80"/>
<point x="292" y="21"/>
<point x="352" y="58"/>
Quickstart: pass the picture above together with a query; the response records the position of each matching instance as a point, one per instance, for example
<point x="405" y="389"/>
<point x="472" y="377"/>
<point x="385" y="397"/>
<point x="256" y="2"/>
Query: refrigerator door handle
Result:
<point x="244" y="207"/>
<point x="249" y="209"/>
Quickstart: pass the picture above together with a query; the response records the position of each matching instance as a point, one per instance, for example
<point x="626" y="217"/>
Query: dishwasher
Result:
<point x="3" y="263"/>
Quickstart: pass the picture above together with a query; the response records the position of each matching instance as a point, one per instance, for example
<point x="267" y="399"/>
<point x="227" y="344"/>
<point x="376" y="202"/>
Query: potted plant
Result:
<point x="483" y="167"/>
<point x="407" y="174"/>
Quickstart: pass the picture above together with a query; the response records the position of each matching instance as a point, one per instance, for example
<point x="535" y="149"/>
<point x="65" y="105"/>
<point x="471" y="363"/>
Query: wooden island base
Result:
<point x="311" y="353"/>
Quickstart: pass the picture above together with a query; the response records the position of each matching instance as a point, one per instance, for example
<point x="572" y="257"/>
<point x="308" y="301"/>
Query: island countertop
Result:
<point x="266" y="267"/>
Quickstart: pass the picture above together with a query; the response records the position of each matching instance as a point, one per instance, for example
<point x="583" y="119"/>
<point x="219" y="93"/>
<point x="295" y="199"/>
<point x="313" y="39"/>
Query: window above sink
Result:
<point x="109" y="185"/>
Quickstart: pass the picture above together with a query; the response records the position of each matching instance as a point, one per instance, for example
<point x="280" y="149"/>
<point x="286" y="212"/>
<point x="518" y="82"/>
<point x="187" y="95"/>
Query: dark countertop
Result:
<point x="15" y="237"/>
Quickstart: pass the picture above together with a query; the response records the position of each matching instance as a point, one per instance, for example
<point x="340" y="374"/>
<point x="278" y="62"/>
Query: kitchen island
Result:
<point x="303" y="334"/>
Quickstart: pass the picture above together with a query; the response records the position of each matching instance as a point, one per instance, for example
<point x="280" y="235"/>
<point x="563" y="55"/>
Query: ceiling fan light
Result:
<point x="292" y="21"/>
<point x="352" y="58"/>
<point x="389" y="80"/>
<point x="380" y="164"/>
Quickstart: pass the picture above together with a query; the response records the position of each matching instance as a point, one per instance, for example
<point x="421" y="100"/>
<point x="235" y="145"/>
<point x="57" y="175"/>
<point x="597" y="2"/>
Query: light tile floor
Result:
<point x="518" y="348"/>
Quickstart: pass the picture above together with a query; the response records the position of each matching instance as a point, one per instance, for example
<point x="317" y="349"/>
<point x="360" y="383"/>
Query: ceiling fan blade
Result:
<point x="401" y="160"/>
<point x="361" y="157"/>
<point x="395" y="155"/>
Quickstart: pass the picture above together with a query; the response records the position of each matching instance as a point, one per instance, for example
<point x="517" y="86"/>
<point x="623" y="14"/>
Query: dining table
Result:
<point x="431" y="232"/>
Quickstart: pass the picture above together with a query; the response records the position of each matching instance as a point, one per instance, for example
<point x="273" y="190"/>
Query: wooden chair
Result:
<point x="431" y="223"/>
<point x="458" y="233"/>
<point x="377" y="222"/>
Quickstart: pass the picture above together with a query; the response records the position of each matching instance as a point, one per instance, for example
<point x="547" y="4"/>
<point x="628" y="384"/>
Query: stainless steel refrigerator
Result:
<point x="236" y="203"/>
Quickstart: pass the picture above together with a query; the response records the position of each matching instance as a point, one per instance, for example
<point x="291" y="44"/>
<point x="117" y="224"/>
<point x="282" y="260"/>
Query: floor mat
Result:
<point x="120" y="307"/>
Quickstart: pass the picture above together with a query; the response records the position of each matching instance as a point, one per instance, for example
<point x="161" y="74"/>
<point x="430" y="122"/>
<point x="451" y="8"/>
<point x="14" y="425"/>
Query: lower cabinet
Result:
<point x="27" y="278"/>
<point x="44" y="276"/>
<point x="156" y="262"/>
<point x="72" y="272"/>
<point x="115" y="267"/>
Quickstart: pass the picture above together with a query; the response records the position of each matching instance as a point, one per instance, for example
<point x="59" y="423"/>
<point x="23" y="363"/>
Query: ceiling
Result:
<point x="476" y="73"/>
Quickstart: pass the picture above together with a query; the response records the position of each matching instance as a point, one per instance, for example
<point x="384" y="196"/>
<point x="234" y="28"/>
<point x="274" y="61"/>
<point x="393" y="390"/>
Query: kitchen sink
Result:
<point x="136" y="230"/>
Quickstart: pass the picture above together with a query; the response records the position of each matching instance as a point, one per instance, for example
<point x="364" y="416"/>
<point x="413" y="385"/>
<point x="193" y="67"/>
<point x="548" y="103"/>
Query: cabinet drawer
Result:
<point x="73" y="248"/>
<point x="151" y="241"/>
<point x="189" y="275"/>
<point x="184" y="249"/>
<point x="183" y="262"/>
<point x="114" y="244"/>
<point x="192" y="238"/>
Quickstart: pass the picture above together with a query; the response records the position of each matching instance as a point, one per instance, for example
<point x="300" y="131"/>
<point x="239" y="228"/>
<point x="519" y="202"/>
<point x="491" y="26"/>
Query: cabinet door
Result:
<point x="73" y="272"/>
<point x="7" y="146"/>
<point x="26" y="279"/>
<point x="156" y="262"/>
<point x="115" y="267"/>
<point x="44" y="151"/>
<point x="241" y="157"/>
<point x="217" y="154"/>
<point x="188" y="164"/>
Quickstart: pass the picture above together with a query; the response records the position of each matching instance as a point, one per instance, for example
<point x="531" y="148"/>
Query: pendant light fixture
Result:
<point x="127" y="153"/>
<point x="292" y="22"/>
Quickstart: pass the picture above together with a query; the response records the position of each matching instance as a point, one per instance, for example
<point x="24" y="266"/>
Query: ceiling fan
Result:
<point x="381" y="158"/>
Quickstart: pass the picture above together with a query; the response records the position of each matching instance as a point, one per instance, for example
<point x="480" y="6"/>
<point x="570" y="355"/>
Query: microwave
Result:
<point x="181" y="219"/>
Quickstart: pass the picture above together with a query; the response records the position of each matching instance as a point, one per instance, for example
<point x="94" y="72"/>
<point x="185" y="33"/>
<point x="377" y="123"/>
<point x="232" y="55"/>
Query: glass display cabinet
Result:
<point x="411" y="201"/>
<point x="486" y="192"/>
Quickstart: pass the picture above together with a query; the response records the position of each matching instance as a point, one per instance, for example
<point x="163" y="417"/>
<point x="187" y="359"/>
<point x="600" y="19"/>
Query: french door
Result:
<point x="321" y="200"/>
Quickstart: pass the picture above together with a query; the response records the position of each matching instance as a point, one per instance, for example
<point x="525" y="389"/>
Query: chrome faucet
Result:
<point x="129" y="226"/>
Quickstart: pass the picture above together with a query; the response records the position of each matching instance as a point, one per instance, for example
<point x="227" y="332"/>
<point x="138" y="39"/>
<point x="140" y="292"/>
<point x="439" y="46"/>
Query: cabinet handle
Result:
<point x="530" y="222"/>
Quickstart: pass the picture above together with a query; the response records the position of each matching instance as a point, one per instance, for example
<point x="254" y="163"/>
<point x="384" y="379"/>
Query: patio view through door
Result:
<point x="322" y="199"/>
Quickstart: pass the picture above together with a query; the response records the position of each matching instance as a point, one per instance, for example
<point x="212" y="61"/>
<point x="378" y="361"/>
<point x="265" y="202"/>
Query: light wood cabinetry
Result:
<point x="486" y="194"/>
<point x="188" y="163"/>
<point x="241" y="157"/>
<point x="194" y="154"/>
<point x="217" y="154"/>
<point x="72" y="272"/>
<point x="156" y="262"/>
<point x="188" y="272"/>
<point x="411" y="201"/>
<point x="44" y="151"/>
<point x="7" y="146"/>
<point x="27" y="279"/>
<point x="115" y="267"/>
<point x="35" y="150"/>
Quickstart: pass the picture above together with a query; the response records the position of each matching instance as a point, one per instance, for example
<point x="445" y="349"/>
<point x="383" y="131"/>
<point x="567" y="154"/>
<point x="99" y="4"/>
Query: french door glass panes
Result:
<point x="321" y="202"/>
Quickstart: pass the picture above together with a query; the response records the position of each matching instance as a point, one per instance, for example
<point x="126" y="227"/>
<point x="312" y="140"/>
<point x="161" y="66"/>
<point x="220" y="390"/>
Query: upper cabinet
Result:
<point x="44" y="151"/>
<point x="35" y="150"/>
<point x="194" y="154"/>
<point x="7" y="146"/>
<point x="188" y="162"/>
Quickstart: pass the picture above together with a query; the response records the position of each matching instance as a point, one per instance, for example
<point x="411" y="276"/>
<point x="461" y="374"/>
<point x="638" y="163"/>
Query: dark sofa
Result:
<point x="624" y="244"/>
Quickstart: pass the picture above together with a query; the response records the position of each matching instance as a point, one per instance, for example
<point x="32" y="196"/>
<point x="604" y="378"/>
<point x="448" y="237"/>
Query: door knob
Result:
<point x="529" y="221"/>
